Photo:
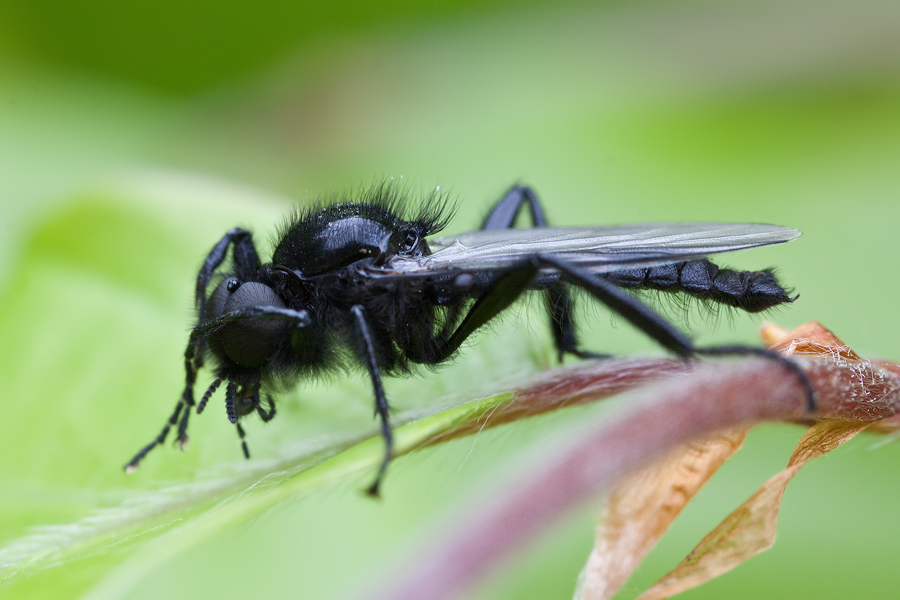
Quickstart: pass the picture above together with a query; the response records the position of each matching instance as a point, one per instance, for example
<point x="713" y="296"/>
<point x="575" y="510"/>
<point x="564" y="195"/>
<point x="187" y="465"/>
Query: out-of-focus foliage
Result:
<point x="132" y="137"/>
<point x="184" y="47"/>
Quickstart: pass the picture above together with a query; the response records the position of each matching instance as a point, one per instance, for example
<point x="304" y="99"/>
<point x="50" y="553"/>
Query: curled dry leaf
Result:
<point x="812" y="339"/>
<point x="640" y="508"/>
<point x="750" y="529"/>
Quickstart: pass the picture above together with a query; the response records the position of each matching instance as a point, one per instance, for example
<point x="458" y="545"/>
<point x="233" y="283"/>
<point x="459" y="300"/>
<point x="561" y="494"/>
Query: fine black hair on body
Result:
<point x="354" y="281"/>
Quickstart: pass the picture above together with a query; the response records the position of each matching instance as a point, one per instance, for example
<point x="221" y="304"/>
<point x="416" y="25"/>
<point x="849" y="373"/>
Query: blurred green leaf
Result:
<point x="181" y="47"/>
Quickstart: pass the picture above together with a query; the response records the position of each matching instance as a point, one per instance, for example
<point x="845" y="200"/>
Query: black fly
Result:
<point x="357" y="282"/>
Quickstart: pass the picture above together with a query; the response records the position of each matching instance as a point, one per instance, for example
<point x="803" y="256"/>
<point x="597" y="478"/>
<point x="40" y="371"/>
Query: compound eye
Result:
<point x="408" y="239"/>
<point x="215" y="305"/>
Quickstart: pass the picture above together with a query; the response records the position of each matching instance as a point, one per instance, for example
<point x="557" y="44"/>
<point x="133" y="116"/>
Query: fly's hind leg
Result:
<point x="557" y="298"/>
<point x="511" y="284"/>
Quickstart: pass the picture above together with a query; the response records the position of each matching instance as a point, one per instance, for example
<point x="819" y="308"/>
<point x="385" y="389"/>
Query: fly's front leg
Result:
<point x="193" y="362"/>
<point x="182" y="409"/>
<point x="135" y="462"/>
<point x="558" y="300"/>
<point x="246" y="262"/>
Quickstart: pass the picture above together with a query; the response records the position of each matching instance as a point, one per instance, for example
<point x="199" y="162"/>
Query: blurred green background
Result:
<point x="132" y="135"/>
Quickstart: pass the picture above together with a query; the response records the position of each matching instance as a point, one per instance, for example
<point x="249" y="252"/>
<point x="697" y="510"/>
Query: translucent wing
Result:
<point x="599" y="249"/>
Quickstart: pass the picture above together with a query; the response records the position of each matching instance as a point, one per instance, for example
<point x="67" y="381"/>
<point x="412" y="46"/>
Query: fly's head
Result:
<point x="252" y="328"/>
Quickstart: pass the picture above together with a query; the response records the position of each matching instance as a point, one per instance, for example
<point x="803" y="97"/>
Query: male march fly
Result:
<point x="357" y="282"/>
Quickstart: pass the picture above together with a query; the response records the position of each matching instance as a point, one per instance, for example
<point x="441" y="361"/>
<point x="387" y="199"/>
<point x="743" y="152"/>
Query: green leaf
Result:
<point x="100" y="302"/>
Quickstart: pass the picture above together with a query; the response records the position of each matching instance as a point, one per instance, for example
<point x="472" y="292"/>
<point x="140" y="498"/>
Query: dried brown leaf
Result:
<point x="640" y="508"/>
<point x="848" y="387"/>
<point x="750" y="529"/>
<point x="810" y="339"/>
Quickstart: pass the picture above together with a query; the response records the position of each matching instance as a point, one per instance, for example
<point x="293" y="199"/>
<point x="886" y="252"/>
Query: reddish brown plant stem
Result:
<point x="570" y="387"/>
<point x="660" y="416"/>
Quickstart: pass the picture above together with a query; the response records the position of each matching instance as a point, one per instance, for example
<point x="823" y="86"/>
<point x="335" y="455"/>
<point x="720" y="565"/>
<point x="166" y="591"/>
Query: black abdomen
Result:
<point x="752" y="291"/>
